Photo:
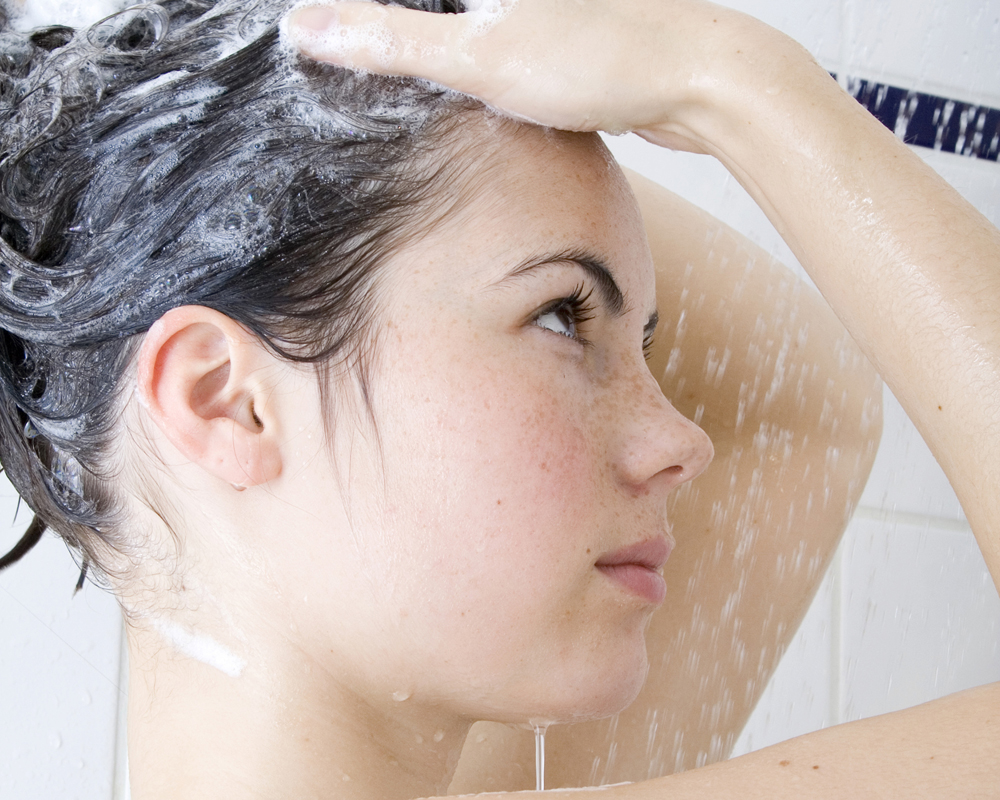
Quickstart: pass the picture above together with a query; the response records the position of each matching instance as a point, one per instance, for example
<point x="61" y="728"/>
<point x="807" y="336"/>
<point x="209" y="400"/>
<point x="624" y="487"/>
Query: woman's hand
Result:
<point x="615" y="65"/>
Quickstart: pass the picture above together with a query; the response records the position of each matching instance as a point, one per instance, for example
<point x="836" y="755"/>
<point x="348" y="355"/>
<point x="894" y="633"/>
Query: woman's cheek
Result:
<point x="499" y="487"/>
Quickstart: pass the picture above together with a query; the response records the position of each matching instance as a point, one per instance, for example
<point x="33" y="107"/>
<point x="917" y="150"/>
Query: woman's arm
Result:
<point x="793" y="409"/>
<point x="922" y="752"/>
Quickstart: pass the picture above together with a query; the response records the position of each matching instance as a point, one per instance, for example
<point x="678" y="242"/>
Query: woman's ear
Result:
<point x="202" y="378"/>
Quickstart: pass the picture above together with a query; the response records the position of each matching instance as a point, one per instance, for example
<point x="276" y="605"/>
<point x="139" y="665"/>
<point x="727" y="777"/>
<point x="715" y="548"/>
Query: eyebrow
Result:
<point x="594" y="266"/>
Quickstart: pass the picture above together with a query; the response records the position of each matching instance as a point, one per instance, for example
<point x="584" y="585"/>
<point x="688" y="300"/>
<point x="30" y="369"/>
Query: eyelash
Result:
<point x="647" y="345"/>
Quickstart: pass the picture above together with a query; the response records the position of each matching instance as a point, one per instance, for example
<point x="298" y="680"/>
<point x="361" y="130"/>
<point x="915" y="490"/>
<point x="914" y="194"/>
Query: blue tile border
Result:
<point x="926" y="120"/>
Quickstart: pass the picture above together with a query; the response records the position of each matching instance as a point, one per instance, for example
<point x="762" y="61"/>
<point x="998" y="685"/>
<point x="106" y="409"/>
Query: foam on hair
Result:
<point x="28" y="15"/>
<point x="172" y="154"/>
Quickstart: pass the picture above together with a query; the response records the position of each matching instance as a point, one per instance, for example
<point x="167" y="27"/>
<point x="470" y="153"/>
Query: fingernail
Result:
<point x="313" y="19"/>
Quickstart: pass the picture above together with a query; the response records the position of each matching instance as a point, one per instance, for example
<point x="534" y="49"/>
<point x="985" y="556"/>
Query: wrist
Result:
<point x="740" y="90"/>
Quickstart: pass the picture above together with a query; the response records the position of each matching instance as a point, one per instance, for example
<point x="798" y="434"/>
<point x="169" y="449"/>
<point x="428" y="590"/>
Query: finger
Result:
<point x="385" y="39"/>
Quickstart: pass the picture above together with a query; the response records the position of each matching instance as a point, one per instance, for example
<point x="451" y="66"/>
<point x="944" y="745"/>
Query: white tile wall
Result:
<point x="907" y="612"/>
<point x="920" y="617"/>
<point x="59" y="663"/>
<point x="945" y="48"/>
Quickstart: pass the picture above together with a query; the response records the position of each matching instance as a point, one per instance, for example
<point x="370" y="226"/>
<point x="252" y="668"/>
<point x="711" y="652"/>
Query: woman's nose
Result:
<point x="660" y="445"/>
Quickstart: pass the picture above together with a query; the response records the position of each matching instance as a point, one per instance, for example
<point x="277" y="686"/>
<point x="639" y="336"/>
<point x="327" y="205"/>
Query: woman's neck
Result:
<point x="279" y="727"/>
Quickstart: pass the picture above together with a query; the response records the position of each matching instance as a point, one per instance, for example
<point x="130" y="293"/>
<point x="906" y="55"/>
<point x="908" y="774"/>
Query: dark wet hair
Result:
<point x="173" y="154"/>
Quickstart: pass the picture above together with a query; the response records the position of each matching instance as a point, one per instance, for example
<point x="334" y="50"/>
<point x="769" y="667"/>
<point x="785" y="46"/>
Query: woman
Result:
<point x="377" y="453"/>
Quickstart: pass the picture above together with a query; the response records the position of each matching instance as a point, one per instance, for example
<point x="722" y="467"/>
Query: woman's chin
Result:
<point x="611" y="699"/>
<point x="590" y="695"/>
<point x="616" y="684"/>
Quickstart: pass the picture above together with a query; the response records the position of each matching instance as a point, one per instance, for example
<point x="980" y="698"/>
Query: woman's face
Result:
<point x="491" y="542"/>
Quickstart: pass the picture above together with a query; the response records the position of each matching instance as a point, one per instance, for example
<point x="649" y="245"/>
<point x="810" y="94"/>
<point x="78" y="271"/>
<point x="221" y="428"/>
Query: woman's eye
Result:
<point x="559" y="320"/>
<point x="566" y="315"/>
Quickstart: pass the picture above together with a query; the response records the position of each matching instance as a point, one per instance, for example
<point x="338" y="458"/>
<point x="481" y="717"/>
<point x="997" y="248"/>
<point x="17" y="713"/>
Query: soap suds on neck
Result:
<point x="201" y="648"/>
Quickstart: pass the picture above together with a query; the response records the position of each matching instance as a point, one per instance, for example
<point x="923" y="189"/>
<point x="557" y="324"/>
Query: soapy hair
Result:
<point x="178" y="153"/>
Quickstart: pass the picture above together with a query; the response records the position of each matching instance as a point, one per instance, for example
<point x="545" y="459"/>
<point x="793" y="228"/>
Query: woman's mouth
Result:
<point x="636" y="568"/>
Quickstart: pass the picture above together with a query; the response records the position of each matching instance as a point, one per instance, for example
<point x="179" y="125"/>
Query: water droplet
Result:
<point x="438" y="736"/>
<point x="400" y="695"/>
<point x="540" y="757"/>
<point x="56" y="741"/>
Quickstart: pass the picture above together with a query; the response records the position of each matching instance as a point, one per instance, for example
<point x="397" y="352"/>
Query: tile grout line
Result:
<point x="836" y="638"/>
<point x="846" y="11"/>
<point x="893" y="517"/>
<point x="121" y="789"/>
<point x="845" y="8"/>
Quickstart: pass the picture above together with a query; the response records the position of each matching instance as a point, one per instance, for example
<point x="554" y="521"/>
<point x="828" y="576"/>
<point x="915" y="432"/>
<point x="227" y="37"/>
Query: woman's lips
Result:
<point x="636" y="568"/>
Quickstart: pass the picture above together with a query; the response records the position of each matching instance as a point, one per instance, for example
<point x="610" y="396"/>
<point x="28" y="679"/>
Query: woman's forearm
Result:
<point x="921" y="753"/>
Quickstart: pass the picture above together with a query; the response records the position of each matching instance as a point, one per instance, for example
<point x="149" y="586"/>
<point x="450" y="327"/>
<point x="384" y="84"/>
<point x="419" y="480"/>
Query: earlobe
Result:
<point x="202" y="379"/>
